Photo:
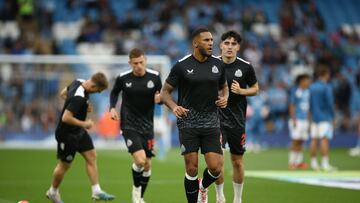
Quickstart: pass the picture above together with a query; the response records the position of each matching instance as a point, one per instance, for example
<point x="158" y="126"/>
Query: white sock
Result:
<point x="136" y="168"/>
<point x="325" y="162"/>
<point x="54" y="190"/>
<point x="96" y="189"/>
<point x="238" y="188"/>
<point x="146" y="173"/>
<point x="299" y="158"/>
<point x="314" y="162"/>
<point x="220" y="191"/>
<point x="292" y="157"/>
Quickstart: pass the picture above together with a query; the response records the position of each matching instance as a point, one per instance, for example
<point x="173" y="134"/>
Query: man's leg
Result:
<point x="293" y="154"/>
<point x="214" y="162"/>
<point x="58" y="175"/>
<point x="238" y="176"/>
<point x="313" y="153"/>
<point x="92" y="171"/>
<point x="145" y="177"/>
<point x="324" y="148"/>
<point x="296" y="156"/>
<point x="191" y="182"/>
<point x="139" y="161"/>
<point x="219" y="187"/>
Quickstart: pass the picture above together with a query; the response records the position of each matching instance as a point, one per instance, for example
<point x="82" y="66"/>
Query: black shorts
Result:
<point x="235" y="137"/>
<point x="207" y="139"/>
<point x="69" y="144"/>
<point x="136" y="141"/>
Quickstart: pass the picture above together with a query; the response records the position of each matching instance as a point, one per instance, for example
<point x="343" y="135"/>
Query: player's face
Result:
<point x="204" y="43"/>
<point x="93" y="88"/>
<point x="138" y="65"/>
<point x="306" y="83"/>
<point x="229" y="48"/>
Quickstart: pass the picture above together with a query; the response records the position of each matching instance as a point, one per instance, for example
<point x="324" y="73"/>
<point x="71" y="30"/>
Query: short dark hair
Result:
<point x="100" y="80"/>
<point x="322" y="70"/>
<point x="301" y="77"/>
<point x="198" y="31"/>
<point x="231" y="34"/>
<point x="135" y="53"/>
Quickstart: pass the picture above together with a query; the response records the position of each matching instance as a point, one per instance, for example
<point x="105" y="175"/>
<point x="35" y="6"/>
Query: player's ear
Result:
<point x="195" y="43"/>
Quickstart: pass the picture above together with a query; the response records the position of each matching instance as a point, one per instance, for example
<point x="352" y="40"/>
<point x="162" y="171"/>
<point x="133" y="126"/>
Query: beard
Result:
<point x="204" y="52"/>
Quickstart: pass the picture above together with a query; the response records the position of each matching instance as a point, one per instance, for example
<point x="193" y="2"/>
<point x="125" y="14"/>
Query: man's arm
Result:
<point x="166" y="98"/>
<point x="63" y="93"/>
<point x="251" y="91"/>
<point x="114" y="95"/>
<point x="68" y="118"/>
<point x="292" y="113"/>
<point x="223" y="96"/>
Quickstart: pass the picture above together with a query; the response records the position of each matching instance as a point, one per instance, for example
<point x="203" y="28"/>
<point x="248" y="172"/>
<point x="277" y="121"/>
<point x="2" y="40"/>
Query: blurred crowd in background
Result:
<point x="281" y="39"/>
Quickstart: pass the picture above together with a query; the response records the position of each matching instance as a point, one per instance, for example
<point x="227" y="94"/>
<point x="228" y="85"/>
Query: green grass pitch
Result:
<point x="26" y="175"/>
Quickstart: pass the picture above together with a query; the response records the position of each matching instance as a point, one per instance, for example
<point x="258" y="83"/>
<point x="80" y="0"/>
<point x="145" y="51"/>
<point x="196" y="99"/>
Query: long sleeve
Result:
<point x="114" y="95"/>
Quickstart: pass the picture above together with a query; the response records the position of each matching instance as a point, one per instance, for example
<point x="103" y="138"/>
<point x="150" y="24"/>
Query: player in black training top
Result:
<point x="198" y="77"/>
<point x="72" y="137"/>
<point x="140" y="89"/>
<point x="242" y="82"/>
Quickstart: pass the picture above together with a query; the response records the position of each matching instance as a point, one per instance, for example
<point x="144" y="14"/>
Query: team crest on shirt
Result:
<point x="62" y="146"/>
<point x="215" y="69"/>
<point x="128" y="84"/>
<point x="238" y="73"/>
<point x="182" y="148"/>
<point x="129" y="142"/>
<point x="69" y="158"/>
<point x="150" y="84"/>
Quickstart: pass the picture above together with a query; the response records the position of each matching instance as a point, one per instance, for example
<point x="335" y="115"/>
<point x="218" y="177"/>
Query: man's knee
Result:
<point x="215" y="168"/>
<point x="90" y="157"/>
<point x="63" y="166"/>
<point x="139" y="159"/>
<point x="192" y="170"/>
<point x="191" y="167"/>
<point x="238" y="163"/>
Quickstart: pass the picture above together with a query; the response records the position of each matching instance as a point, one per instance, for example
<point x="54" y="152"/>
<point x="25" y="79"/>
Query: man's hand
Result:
<point x="180" y="111"/>
<point x="157" y="98"/>
<point x="236" y="89"/>
<point x="88" y="124"/>
<point x="221" y="102"/>
<point x="114" y="114"/>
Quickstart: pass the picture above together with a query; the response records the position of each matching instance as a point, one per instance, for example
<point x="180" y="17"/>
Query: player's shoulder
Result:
<point x="80" y="90"/>
<point x="184" y="59"/>
<point x="152" y="72"/>
<point x="125" y="73"/>
<point x="217" y="61"/>
<point x="216" y="58"/>
<point x="243" y="61"/>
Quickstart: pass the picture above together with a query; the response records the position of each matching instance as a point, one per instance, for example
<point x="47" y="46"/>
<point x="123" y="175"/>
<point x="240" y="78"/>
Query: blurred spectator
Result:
<point x="9" y="10"/>
<point x="342" y="100"/>
<point x="162" y="27"/>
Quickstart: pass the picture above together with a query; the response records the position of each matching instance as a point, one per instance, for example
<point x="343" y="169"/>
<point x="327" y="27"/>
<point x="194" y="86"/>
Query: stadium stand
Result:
<point x="282" y="38"/>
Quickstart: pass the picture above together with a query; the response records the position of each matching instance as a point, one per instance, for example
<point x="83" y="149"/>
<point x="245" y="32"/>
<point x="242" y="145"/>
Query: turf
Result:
<point x="26" y="175"/>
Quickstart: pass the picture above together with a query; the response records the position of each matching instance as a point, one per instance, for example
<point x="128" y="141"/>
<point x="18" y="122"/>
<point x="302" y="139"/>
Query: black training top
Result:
<point x="198" y="84"/>
<point x="235" y="113"/>
<point x="76" y="102"/>
<point x="137" y="107"/>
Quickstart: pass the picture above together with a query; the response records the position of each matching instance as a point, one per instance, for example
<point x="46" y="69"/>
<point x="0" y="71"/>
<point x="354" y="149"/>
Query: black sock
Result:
<point x="144" y="182"/>
<point x="136" y="176"/>
<point x="207" y="178"/>
<point x="191" y="189"/>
